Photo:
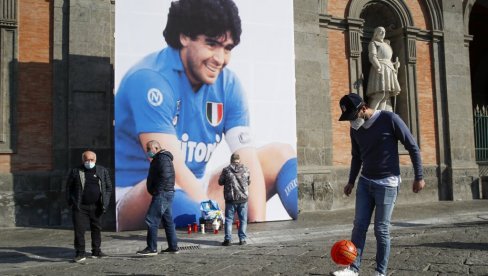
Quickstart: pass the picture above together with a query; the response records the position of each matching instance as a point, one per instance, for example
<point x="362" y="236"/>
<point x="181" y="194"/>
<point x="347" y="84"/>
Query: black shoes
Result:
<point x="79" y="258"/>
<point x="171" y="251"/>
<point x="147" y="252"/>
<point x="226" y="243"/>
<point x="99" y="255"/>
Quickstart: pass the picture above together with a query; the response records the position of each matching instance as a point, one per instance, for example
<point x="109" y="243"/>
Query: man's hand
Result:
<point x="418" y="185"/>
<point x="348" y="188"/>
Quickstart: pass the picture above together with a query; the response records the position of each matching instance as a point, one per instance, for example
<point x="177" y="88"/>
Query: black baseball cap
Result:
<point x="350" y="105"/>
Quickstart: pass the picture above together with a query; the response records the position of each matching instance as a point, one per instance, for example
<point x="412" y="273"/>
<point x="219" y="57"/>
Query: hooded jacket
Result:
<point x="161" y="176"/>
<point x="76" y="184"/>
<point x="236" y="180"/>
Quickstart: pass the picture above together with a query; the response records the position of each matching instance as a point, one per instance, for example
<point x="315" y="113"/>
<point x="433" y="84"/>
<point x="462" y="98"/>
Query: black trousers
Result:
<point x="88" y="215"/>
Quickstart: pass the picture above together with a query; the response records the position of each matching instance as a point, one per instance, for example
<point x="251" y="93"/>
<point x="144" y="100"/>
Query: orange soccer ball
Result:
<point x="343" y="252"/>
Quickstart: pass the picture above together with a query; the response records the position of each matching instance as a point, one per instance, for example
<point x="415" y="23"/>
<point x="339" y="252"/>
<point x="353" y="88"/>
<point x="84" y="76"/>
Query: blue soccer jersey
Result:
<point x="155" y="96"/>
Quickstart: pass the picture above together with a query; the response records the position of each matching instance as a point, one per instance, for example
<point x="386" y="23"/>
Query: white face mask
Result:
<point x="356" y="124"/>
<point x="89" y="165"/>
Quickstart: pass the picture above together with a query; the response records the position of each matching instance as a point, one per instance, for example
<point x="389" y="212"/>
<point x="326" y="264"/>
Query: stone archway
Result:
<point x="377" y="14"/>
<point x="394" y="15"/>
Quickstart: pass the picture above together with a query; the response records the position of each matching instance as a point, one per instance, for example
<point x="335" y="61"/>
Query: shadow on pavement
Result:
<point x="128" y="237"/>
<point x="34" y="253"/>
<point x="457" y="245"/>
<point x="462" y="225"/>
<point x="198" y="241"/>
<point x="407" y="224"/>
<point x="446" y="226"/>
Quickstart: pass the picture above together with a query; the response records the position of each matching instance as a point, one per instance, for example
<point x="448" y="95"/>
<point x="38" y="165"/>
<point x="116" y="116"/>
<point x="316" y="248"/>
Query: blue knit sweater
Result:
<point x="376" y="148"/>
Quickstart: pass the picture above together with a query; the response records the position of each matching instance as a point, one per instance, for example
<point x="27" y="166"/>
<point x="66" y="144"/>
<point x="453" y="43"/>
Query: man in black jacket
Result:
<point x="161" y="185"/>
<point x="88" y="191"/>
<point x="236" y="179"/>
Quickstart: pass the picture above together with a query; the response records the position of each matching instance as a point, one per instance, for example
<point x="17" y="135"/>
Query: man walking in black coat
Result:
<point x="161" y="185"/>
<point x="88" y="191"/>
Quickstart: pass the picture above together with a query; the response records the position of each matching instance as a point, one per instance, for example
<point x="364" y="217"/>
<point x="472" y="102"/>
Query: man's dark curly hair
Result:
<point x="212" y="18"/>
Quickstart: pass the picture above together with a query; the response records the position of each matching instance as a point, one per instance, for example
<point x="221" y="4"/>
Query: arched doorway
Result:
<point x="378" y="14"/>
<point x="363" y="17"/>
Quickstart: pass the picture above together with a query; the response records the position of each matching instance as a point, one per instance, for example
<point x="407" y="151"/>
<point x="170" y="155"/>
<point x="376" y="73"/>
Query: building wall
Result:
<point x="24" y="176"/>
<point x="34" y="98"/>
<point x="65" y="63"/>
<point x="428" y="129"/>
<point x="321" y="185"/>
<point x="34" y="101"/>
<point x="339" y="78"/>
<point x="64" y="106"/>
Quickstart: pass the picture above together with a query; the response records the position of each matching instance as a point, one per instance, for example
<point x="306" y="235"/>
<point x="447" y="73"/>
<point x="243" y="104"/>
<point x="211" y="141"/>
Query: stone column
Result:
<point x="8" y="92"/>
<point x="314" y="123"/>
<point x="462" y="167"/>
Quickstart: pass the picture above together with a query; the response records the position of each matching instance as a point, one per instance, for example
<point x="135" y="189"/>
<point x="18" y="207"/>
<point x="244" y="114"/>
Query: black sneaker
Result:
<point x="243" y="242"/>
<point x="147" y="252"/>
<point x="99" y="255"/>
<point x="171" y="250"/>
<point x="79" y="258"/>
<point x="226" y="243"/>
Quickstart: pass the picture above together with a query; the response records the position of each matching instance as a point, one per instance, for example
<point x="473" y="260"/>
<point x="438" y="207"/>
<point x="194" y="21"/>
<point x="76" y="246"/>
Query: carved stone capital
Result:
<point x="354" y="43"/>
<point x="8" y="13"/>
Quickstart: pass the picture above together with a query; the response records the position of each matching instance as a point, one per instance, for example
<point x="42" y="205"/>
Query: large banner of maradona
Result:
<point x="204" y="94"/>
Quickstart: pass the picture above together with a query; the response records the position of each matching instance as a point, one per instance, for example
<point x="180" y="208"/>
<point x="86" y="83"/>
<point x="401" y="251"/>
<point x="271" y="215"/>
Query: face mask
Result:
<point x="356" y="124"/>
<point x="150" y="154"/>
<point x="89" y="165"/>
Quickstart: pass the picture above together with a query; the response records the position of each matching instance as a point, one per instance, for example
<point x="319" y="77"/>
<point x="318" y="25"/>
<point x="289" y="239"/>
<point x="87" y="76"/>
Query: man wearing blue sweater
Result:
<point x="374" y="139"/>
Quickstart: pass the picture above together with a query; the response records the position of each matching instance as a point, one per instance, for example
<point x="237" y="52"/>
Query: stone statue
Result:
<point x="382" y="81"/>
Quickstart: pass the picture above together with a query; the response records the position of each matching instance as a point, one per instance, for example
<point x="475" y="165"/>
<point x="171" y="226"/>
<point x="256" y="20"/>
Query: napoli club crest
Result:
<point x="215" y="113"/>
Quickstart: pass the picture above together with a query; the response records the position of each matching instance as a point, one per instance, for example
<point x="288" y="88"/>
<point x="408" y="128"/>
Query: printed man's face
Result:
<point x="205" y="57"/>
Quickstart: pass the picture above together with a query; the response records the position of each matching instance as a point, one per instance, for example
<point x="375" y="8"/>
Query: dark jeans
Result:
<point x="160" y="210"/>
<point x="88" y="215"/>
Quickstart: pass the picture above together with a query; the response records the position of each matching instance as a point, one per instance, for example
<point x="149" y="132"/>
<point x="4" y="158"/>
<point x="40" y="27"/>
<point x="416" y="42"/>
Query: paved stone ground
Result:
<point x="444" y="238"/>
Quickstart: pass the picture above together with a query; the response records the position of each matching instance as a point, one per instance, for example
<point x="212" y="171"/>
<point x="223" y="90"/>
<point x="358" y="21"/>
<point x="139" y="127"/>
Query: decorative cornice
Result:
<point x="330" y="22"/>
<point x="399" y="6"/>
<point x="355" y="22"/>
<point x="8" y="23"/>
<point x="412" y="30"/>
<point x="436" y="34"/>
<point x="324" y="20"/>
